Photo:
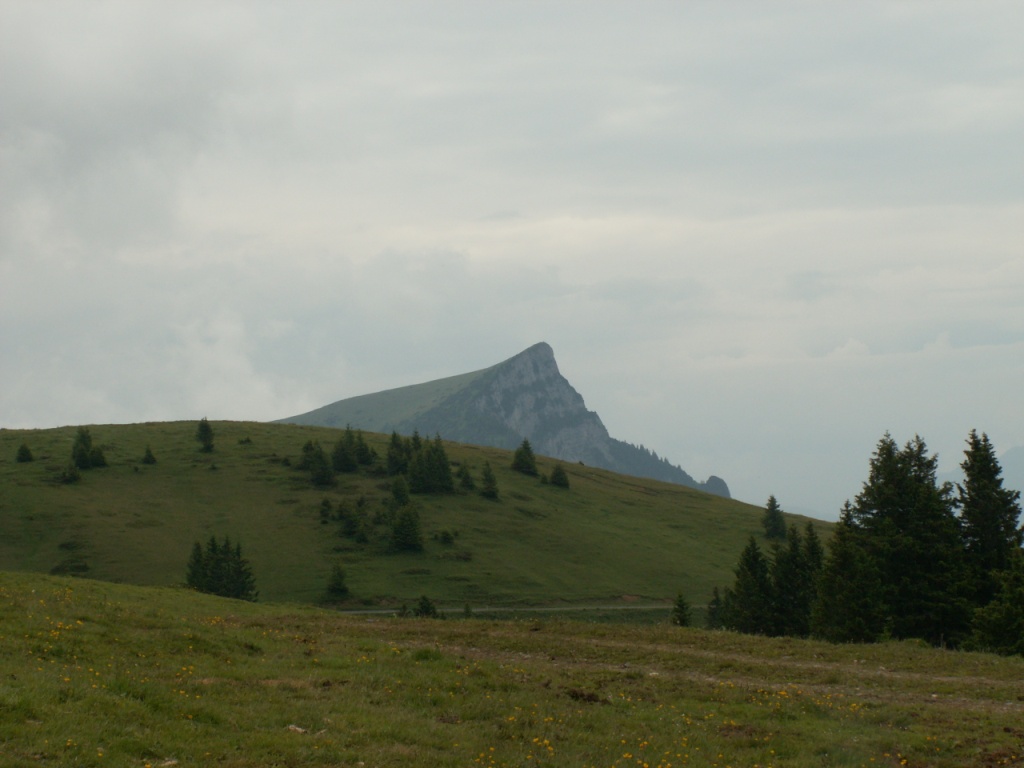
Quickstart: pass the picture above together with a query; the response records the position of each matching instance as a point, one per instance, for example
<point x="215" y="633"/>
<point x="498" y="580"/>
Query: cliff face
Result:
<point x="524" y="397"/>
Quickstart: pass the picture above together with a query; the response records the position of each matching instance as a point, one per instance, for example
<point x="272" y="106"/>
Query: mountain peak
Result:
<point x="524" y="397"/>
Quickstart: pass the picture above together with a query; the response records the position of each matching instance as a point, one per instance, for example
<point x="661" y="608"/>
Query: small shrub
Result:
<point x="24" y="454"/>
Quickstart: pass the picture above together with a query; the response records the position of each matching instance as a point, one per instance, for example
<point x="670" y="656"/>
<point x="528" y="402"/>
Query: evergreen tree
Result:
<point x="24" y="454"/>
<point x="406" y="535"/>
<point x="523" y="459"/>
<point x="792" y="585"/>
<point x="681" y="613"/>
<point x="773" y="521"/>
<point x="559" y="477"/>
<point x="915" y="541"/>
<point x="337" y="589"/>
<point x="148" y="457"/>
<point x="464" y="478"/>
<point x="850" y="605"/>
<point x="220" y="569"/>
<point x="999" y="626"/>
<point x="989" y="517"/>
<point x="751" y="597"/>
<point x="425" y="608"/>
<point x="365" y="455"/>
<point x="314" y="460"/>
<point x="398" y="455"/>
<point x="400" y="491"/>
<point x="440" y="467"/>
<point x="715" y="611"/>
<point x="85" y="455"/>
<point x="343" y="456"/>
<point x="488" y="482"/>
<point x="204" y="435"/>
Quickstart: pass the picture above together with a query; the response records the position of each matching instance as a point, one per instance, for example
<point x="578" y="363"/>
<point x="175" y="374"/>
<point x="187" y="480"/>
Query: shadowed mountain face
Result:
<point x="524" y="397"/>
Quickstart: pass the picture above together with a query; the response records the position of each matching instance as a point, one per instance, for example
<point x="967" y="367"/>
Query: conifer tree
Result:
<point x="220" y="569"/>
<point x="85" y="455"/>
<point x="488" y="482"/>
<point x="750" y="608"/>
<point x="365" y="455"/>
<point x="989" y="516"/>
<point x="465" y="479"/>
<point x="400" y="491"/>
<point x="773" y="521"/>
<point x="24" y="454"/>
<point x="999" y="626"/>
<point x="148" y="457"/>
<point x="523" y="460"/>
<point x="559" y="477"/>
<point x="792" y="583"/>
<point x="343" y="456"/>
<point x="398" y="455"/>
<point x="715" y="611"/>
<point x="337" y="589"/>
<point x="406" y="535"/>
<point x="914" y="538"/>
<point x="681" y="613"/>
<point x="204" y="435"/>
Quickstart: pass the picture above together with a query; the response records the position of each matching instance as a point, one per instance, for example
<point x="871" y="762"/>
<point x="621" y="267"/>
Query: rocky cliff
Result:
<point x="524" y="397"/>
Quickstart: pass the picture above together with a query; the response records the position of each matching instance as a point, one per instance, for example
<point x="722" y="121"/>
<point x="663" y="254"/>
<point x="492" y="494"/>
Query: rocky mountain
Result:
<point x="524" y="397"/>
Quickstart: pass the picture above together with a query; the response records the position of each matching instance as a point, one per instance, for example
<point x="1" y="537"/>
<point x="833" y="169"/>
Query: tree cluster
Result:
<point x="84" y="454"/>
<point x="220" y="569"/>
<point x="909" y="558"/>
<point x="424" y="462"/>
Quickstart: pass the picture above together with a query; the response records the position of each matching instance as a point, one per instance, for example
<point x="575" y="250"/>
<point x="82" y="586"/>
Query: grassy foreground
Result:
<point x="99" y="674"/>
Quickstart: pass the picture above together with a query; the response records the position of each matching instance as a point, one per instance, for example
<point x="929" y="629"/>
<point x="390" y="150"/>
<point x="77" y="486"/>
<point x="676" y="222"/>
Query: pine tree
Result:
<point x="337" y="589"/>
<point x="914" y="538"/>
<point x="220" y="569"/>
<point x="751" y="601"/>
<point x="343" y="456"/>
<point x="398" y="455"/>
<point x="523" y="460"/>
<point x="465" y="479"/>
<point x="999" y="626"/>
<point x="559" y="477"/>
<point x="365" y="455"/>
<point x="204" y="434"/>
<point x="792" y="583"/>
<point x="773" y="521"/>
<point x="148" y="457"/>
<point x="400" y="491"/>
<point x="715" y="611"/>
<point x="850" y="604"/>
<point x="488" y="482"/>
<point x="681" y="613"/>
<point x="406" y="535"/>
<point x="85" y="455"/>
<point x="989" y="517"/>
<point x="24" y="454"/>
<point x="425" y="608"/>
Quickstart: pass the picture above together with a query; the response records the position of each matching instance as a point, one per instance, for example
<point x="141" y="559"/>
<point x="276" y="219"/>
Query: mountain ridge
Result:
<point x="523" y="397"/>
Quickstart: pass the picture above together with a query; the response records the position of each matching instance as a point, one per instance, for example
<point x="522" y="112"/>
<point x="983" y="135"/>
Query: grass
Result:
<point x="609" y="539"/>
<point x="99" y="674"/>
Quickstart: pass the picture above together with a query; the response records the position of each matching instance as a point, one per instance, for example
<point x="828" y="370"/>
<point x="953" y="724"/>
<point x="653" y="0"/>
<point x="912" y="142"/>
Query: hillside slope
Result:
<point x="606" y="537"/>
<point x="525" y="396"/>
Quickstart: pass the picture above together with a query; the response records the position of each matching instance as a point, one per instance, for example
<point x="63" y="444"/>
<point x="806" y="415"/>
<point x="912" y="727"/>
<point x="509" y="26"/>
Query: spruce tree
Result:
<point x="343" y="456"/>
<point x="850" y="604"/>
<point x="681" y="613"/>
<point x="559" y="477"/>
<point x="523" y="460"/>
<point x="465" y="479"/>
<point x="751" y="601"/>
<point x="989" y="516"/>
<point x="999" y="626"/>
<point x="406" y="535"/>
<point x="220" y="569"/>
<point x="337" y="589"/>
<point x="24" y="454"/>
<point x="398" y="455"/>
<point x="715" y="611"/>
<point x="773" y="521"/>
<point x="792" y="582"/>
<point x="204" y="435"/>
<point x="488" y="482"/>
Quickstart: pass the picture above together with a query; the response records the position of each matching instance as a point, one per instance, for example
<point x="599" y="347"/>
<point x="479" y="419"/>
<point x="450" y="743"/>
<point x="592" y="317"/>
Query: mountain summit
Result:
<point x="524" y="397"/>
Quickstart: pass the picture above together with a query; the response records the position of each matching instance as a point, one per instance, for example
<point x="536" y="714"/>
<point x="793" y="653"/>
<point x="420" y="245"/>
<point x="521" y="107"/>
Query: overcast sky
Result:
<point x="757" y="235"/>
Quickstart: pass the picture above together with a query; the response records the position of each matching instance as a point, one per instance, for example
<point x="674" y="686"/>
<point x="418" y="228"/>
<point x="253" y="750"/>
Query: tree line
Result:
<point x="910" y="558"/>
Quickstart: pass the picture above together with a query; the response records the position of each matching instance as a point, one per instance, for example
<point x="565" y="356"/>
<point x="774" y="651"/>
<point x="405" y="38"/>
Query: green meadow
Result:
<point x="99" y="674"/>
<point x="607" y="540"/>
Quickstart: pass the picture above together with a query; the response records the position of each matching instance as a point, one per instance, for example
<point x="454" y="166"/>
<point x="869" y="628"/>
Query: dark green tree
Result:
<point x="850" y="603"/>
<point x="559" y="477"/>
<point x="220" y="569"/>
<point x="681" y="613"/>
<point x="337" y="590"/>
<point x="773" y="521"/>
<point x="24" y="454"/>
<point x="523" y="460"/>
<point x="204" y="435"/>
<point x="406" y="534"/>
<point x="792" y="587"/>
<point x="365" y="455"/>
<point x="989" y="516"/>
<point x="148" y="457"/>
<point x="750" y="608"/>
<point x="488" y="482"/>
<point x="717" y="609"/>
<point x="914" y="538"/>
<point x="999" y="626"/>
<point x="464" y="478"/>
<point x="85" y="455"/>
<point x="343" y="456"/>
<point x="398" y="455"/>
<point x="400" y="491"/>
<point x="425" y="608"/>
<point x="314" y="460"/>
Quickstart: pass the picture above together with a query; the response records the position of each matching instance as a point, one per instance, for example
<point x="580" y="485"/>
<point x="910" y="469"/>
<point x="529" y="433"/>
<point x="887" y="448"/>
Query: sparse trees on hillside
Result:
<point x="488" y="482"/>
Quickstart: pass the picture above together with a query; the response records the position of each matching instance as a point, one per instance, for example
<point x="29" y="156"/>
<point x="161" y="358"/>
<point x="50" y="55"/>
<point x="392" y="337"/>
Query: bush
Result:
<point x="24" y="454"/>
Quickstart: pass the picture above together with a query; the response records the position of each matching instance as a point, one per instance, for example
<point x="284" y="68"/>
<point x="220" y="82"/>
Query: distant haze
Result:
<point x="757" y="235"/>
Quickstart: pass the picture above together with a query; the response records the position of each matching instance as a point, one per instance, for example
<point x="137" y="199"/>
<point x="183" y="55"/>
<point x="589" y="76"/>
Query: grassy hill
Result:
<point x="609" y="538"/>
<point x="97" y="674"/>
